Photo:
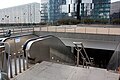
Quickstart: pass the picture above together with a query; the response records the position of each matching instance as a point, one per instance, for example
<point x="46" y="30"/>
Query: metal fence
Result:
<point x="14" y="30"/>
<point x="12" y="64"/>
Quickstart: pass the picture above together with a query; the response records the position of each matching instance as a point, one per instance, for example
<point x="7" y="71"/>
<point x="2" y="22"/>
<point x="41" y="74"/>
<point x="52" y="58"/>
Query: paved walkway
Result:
<point x="54" y="71"/>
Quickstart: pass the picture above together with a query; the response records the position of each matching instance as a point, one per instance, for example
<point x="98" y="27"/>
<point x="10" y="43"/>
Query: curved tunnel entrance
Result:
<point x="100" y="58"/>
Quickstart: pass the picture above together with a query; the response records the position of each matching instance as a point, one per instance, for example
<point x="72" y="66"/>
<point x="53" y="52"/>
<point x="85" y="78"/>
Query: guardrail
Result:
<point x="62" y="28"/>
<point x="13" y="30"/>
<point x="12" y="64"/>
<point x="78" y="29"/>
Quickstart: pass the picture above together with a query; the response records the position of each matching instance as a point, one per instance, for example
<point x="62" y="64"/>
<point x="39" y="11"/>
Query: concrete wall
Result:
<point x="101" y="37"/>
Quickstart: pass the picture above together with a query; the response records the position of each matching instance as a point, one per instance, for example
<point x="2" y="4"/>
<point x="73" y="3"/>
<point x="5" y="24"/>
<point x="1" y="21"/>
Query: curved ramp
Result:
<point x="49" y="48"/>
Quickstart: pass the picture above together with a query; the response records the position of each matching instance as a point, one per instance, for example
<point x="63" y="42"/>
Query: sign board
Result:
<point x="17" y="39"/>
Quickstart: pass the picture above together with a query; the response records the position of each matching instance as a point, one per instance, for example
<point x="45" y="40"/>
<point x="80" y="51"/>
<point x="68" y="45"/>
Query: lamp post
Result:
<point x="2" y="20"/>
<point x="18" y="20"/>
<point x="6" y="19"/>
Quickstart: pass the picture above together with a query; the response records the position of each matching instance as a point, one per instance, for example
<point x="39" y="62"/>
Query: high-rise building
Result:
<point x="54" y="12"/>
<point x="69" y="9"/>
<point x="44" y="11"/>
<point x="115" y="10"/>
<point x="86" y="8"/>
<point x="28" y="13"/>
<point x="80" y="9"/>
<point x="101" y="9"/>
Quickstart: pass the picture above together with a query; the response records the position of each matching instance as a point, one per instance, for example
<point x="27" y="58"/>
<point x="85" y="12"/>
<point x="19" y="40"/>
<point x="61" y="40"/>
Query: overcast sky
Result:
<point x="10" y="3"/>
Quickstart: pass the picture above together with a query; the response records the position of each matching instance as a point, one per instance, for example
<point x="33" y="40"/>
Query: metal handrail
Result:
<point x="18" y="58"/>
<point x="16" y="29"/>
<point x="5" y="52"/>
<point x="79" y="52"/>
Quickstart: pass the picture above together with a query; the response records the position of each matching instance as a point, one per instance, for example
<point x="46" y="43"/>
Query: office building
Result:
<point x="101" y="9"/>
<point x="115" y="10"/>
<point x="80" y="9"/>
<point x="54" y="11"/>
<point x="27" y="13"/>
<point x="44" y="11"/>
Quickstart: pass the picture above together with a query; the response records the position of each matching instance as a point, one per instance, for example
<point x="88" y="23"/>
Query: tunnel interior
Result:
<point x="100" y="57"/>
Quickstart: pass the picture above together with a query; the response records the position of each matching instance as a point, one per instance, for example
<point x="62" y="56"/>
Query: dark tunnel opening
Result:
<point x="100" y="57"/>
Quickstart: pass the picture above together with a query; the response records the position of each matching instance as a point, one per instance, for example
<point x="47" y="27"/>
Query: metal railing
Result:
<point x="16" y="30"/>
<point x="79" y="47"/>
<point x="13" y="64"/>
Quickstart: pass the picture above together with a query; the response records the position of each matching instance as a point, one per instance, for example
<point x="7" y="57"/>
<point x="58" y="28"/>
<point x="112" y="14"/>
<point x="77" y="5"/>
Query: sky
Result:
<point x="11" y="3"/>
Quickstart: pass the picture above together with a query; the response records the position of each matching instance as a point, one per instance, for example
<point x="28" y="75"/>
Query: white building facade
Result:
<point x="28" y="13"/>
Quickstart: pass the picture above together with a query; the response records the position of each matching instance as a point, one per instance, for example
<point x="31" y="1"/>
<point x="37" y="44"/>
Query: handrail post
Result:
<point x="27" y="59"/>
<point x="15" y="62"/>
<point x="85" y="58"/>
<point x="78" y="57"/>
<point x="23" y="61"/>
<point x="78" y="51"/>
<point x="33" y="29"/>
<point x="40" y="28"/>
<point x="7" y="61"/>
<point x="10" y="64"/>
<point x="19" y="56"/>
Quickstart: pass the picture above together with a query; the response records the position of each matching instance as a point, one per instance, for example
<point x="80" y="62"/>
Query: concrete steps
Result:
<point x="54" y="71"/>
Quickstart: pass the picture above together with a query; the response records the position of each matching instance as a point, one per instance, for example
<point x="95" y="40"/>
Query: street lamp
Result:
<point x="8" y="19"/>
<point x="15" y="19"/>
<point x="2" y="20"/>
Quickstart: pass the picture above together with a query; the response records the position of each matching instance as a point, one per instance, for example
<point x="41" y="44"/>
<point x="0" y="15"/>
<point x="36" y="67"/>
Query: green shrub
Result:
<point x="68" y="22"/>
<point x="88" y="21"/>
<point x="115" y="21"/>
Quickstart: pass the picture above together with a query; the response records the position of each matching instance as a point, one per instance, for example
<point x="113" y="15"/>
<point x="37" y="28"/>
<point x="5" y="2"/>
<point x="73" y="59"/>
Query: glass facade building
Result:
<point x="101" y="9"/>
<point x="80" y="9"/>
<point x="44" y="12"/>
<point x="54" y="11"/>
<point x="86" y="8"/>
